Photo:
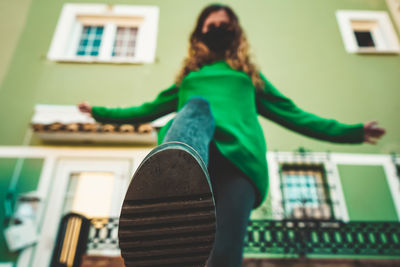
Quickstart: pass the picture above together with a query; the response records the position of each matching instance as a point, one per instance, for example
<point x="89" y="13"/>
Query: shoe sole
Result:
<point x="168" y="214"/>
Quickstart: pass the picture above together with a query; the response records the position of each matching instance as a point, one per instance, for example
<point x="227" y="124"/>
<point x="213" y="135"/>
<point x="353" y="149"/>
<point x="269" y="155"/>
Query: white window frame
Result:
<point x="68" y="32"/>
<point x="384" y="35"/>
<point x="332" y="179"/>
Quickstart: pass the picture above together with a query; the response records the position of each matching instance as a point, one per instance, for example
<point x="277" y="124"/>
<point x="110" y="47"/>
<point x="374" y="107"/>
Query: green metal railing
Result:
<point x="294" y="237"/>
<point x="288" y="238"/>
<point x="323" y="238"/>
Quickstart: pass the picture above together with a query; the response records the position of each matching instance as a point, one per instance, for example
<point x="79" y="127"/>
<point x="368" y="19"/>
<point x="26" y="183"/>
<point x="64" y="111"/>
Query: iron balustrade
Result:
<point x="295" y="237"/>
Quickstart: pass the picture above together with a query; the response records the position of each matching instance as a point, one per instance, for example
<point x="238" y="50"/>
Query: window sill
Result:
<point x="372" y="50"/>
<point x="97" y="60"/>
<point x="98" y="138"/>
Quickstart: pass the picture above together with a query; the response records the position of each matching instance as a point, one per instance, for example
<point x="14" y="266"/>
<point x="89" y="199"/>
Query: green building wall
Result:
<point x="12" y="20"/>
<point x="296" y="44"/>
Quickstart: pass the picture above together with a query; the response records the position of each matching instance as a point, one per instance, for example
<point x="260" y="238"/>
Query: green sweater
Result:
<point x="235" y="104"/>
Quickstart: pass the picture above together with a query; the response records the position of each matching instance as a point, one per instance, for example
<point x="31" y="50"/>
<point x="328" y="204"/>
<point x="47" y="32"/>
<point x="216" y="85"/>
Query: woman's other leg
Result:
<point x="235" y="198"/>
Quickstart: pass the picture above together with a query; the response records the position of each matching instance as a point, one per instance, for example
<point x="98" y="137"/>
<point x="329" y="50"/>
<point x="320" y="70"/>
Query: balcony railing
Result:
<point x="288" y="238"/>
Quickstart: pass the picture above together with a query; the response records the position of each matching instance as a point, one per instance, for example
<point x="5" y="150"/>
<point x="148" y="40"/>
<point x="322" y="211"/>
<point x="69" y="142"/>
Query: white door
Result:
<point x="91" y="187"/>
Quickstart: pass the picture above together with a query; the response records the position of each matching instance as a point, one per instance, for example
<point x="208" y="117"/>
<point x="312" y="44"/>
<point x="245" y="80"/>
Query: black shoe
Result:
<point x="168" y="214"/>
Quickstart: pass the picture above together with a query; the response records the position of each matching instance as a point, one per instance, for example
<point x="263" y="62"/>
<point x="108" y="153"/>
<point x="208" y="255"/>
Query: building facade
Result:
<point x="338" y="59"/>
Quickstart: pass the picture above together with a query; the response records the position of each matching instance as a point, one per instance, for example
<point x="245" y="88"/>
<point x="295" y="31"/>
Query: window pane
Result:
<point x="305" y="193"/>
<point x="125" y="42"/>
<point x="90" y="41"/>
<point x="364" y="39"/>
<point x="90" y="194"/>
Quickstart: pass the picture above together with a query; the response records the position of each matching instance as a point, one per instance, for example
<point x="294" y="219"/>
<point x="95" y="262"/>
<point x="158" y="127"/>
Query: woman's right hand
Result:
<point x="85" y="107"/>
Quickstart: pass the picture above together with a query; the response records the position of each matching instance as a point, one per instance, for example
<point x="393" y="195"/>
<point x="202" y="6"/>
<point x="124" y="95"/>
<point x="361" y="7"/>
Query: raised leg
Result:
<point x="194" y="125"/>
<point x="168" y="214"/>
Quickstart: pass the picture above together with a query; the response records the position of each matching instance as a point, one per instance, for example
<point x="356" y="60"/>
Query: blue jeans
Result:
<point x="194" y="125"/>
<point x="233" y="193"/>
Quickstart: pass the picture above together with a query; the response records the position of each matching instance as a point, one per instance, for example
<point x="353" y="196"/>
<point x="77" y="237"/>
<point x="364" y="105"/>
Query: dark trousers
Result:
<point x="234" y="199"/>
<point x="233" y="193"/>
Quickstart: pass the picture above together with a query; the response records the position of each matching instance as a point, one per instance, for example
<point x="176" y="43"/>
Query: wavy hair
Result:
<point x="237" y="56"/>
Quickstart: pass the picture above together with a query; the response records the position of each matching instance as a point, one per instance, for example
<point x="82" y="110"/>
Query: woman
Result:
<point x="214" y="149"/>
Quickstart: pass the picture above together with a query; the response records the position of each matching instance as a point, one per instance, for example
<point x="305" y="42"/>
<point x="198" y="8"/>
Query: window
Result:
<point x="367" y="32"/>
<point x="303" y="185"/>
<point x="125" y="42"/>
<point x="305" y="191"/>
<point x="102" y="33"/>
<point x="90" y="41"/>
<point x="364" y="39"/>
<point x="364" y="33"/>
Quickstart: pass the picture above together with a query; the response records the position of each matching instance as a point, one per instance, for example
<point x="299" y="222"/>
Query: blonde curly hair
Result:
<point x="237" y="56"/>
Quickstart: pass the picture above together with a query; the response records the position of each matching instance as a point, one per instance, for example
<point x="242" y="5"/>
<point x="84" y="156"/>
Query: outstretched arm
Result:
<point x="280" y="109"/>
<point x="166" y="102"/>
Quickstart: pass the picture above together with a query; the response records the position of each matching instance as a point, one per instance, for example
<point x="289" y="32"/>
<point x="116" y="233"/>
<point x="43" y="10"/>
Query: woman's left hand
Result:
<point x="372" y="132"/>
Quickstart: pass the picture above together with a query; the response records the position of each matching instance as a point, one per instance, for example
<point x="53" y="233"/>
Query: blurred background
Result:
<point x="338" y="59"/>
